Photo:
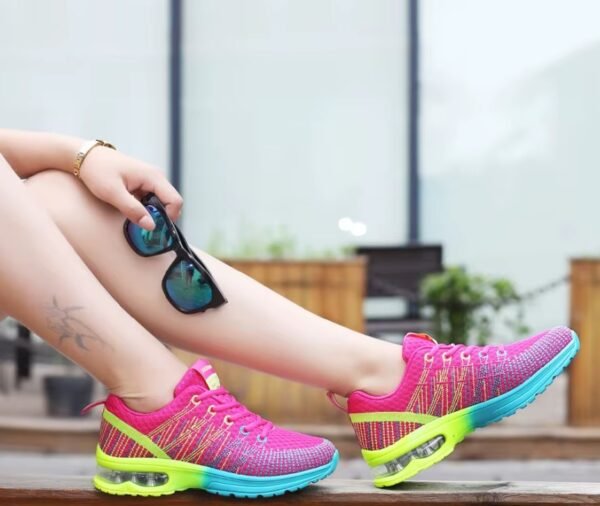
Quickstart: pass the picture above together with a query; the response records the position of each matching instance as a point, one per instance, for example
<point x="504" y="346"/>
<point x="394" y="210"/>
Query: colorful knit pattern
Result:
<point x="378" y="435"/>
<point x="209" y="427"/>
<point x="442" y="379"/>
<point x="114" y="442"/>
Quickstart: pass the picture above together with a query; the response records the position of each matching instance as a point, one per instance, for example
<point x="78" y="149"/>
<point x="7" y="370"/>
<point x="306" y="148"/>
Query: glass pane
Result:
<point x="95" y="69"/>
<point x="509" y="139"/>
<point x="295" y="116"/>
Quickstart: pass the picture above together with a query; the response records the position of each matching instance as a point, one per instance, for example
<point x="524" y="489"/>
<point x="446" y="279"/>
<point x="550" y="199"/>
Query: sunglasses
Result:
<point x="187" y="284"/>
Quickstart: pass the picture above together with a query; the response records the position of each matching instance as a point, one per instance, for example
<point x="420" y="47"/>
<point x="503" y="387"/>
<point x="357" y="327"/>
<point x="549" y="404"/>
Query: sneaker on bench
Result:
<point x="447" y="392"/>
<point x="204" y="439"/>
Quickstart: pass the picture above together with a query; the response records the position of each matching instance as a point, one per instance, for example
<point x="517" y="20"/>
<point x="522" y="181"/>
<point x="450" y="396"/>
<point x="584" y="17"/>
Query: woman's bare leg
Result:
<point x="46" y="285"/>
<point x="258" y="328"/>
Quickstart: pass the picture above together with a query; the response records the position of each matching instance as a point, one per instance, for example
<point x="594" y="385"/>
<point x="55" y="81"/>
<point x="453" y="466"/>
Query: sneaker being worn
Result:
<point x="447" y="392"/>
<point x="204" y="439"/>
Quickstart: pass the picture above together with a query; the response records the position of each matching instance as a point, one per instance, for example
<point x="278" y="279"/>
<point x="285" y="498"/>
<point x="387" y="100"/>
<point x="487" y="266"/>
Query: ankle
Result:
<point x="382" y="371"/>
<point x="145" y="403"/>
<point x="148" y="393"/>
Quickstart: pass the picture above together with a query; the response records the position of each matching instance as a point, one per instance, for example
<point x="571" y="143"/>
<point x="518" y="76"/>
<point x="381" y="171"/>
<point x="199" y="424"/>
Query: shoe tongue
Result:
<point x="412" y="342"/>
<point x="200" y="374"/>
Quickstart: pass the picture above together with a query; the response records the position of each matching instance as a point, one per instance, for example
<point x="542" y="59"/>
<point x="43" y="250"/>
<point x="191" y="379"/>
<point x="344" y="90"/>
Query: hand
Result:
<point x="121" y="181"/>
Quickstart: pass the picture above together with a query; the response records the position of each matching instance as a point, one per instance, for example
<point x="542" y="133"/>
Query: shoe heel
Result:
<point x="139" y="478"/>
<point x="144" y="476"/>
<point x="144" y="483"/>
<point x="398" y="464"/>
<point x="404" y="466"/>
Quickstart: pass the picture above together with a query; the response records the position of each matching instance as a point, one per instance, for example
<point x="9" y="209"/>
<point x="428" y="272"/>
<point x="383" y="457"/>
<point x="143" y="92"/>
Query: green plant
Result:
<point x="465" y="307"/>
<point x="269" y="244"/>
<point x="281" y="244"/>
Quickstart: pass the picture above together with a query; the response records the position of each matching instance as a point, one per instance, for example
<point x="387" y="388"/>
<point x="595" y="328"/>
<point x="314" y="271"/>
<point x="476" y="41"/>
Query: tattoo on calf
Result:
<point x="69" y="327"/>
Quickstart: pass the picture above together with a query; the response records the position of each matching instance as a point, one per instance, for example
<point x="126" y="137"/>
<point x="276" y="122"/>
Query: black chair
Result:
<point x="397" y="272"/>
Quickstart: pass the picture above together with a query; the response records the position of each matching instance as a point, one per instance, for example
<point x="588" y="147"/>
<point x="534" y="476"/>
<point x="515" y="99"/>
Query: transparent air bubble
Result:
<point x="420" y="452"/>
<point x="141" y="479"/>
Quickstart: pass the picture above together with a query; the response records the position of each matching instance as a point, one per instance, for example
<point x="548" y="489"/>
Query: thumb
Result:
<point x="133" y="209"/>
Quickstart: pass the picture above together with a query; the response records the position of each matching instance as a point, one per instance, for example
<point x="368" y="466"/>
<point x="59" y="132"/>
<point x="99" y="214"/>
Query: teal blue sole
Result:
<point x="507" y="404"/>
<point x="235" y="485"/>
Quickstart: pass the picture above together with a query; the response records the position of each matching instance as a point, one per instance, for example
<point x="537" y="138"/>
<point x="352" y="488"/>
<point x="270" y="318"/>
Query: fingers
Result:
<point x="132" y="208"/>
<point x="122" y="181"/>
<point x="169" y="196"/>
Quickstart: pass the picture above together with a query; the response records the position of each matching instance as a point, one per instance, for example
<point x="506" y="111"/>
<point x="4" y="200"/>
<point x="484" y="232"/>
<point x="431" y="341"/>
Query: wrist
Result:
<point x="66" y="150"/>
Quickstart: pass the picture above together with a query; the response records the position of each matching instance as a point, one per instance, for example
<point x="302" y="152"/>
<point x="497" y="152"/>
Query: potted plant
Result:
<point x="464" y="307"/>
<point x="67" y="393"/>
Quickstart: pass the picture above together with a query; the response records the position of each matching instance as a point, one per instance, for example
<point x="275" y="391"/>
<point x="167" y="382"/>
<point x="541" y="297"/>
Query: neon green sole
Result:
<point x="453" y="428"/>
<point x="180" y="475"/>
<point x="158" y="476"/>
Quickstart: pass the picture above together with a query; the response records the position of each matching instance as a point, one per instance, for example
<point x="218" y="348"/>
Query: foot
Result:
<point x="447" y="392"/>
<point x="204" y="439"/>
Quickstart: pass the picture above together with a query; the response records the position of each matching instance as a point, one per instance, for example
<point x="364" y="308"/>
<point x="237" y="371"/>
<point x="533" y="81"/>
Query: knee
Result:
<point x="53" y="182"/>
<point x="68" y="201"/>
<point x="58" y="192"/>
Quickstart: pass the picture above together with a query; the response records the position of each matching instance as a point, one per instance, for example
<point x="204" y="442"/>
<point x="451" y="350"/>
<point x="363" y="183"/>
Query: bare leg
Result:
<point x="258" y="328"/>
<point x="46" y="285"/>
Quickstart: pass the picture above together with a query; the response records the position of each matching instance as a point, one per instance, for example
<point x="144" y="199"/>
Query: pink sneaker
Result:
<point x="447" y="392"/>
<point x="204" y="439"/>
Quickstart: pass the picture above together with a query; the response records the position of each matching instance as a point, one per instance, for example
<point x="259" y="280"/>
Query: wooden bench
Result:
<point x="21" y="491"/>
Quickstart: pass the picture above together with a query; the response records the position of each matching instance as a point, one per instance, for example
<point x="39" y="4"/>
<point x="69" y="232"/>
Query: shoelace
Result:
<point x="227" y="402"/>
<point x="448" y="350"/>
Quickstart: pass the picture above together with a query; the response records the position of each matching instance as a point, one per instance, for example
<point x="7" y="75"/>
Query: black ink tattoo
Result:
<point x="68" y="327"/>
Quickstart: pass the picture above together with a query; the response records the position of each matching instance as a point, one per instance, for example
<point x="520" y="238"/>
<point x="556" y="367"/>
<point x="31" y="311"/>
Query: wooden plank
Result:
<point x="354" y="288"/>
<point x="26" y="491"/>
<point x="584" y="387"/>
<point x="333" y="308"/>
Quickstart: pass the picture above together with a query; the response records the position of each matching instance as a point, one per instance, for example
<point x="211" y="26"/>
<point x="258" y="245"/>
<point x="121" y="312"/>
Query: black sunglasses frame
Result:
<point x="182" y="252"/>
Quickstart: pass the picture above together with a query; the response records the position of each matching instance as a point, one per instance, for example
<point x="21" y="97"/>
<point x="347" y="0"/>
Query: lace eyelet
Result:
<point x="211" y="410"/>
<point x="196" y="400"/>
<point x="243" y="431"/>
<point x="227" y="420"/>
<point x="501" y="353"/>
<point x="260" y="439"/>
<point x="465" y="356"/>
<point x="446" y="357"/>
<point x="428" y="357"/>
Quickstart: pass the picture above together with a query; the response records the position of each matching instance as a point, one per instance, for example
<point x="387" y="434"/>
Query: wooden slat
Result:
<point x="584" y="387"/>
<point x="26" y="491"/>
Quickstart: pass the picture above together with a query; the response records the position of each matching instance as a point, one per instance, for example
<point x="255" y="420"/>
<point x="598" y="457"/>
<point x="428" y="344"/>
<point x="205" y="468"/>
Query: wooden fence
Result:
<point x="584" y="384"/>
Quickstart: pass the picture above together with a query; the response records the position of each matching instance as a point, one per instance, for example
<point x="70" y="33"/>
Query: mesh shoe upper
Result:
<point x="441" y="379"/>
<point x="205" y="425"/>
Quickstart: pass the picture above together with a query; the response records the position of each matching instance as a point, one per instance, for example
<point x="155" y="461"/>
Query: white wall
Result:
<point x="95" y="68"/>
<point x="295" y="114"/>
<point x="511" y="101"/>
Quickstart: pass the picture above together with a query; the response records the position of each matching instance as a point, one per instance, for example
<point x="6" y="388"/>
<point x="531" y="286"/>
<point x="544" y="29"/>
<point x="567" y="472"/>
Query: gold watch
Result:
<point x="84" y="151"/>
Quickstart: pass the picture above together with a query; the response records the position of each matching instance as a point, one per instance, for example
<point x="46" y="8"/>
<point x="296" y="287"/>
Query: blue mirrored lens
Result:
<point x="186" y="286"/>
<point x="151" y="242"/>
